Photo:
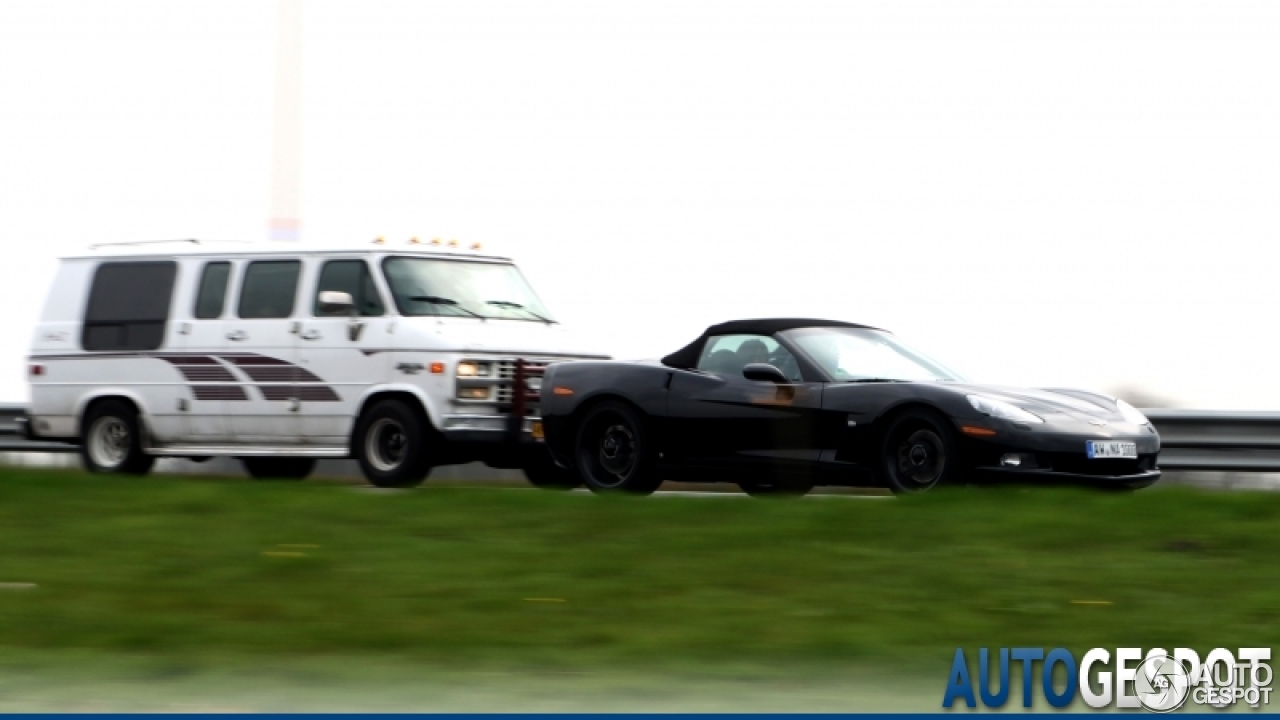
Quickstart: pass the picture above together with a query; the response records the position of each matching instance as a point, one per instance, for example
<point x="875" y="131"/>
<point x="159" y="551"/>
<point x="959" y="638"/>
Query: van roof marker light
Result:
<point x="475" y="246"/>
<point x="379" y="240"/>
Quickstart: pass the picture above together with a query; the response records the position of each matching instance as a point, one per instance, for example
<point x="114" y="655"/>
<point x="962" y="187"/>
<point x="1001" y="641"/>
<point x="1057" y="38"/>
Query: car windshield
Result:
<point x="432" y="286"/>
<point x="860" y="354"/>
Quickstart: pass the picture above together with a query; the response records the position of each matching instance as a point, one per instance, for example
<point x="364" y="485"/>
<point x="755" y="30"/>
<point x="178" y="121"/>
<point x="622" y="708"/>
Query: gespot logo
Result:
<point x="1158" y="681"/>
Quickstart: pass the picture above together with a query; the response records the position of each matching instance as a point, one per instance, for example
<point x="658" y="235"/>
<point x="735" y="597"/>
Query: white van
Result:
<point x="404" y="357"/>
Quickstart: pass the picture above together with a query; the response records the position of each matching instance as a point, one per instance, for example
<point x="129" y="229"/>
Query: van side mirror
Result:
<point x="333" y="302"/>
<point x="764" y="372"/>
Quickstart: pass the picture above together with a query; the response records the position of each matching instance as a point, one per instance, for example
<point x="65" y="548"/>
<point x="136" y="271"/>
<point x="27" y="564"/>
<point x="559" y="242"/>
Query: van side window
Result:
<point x="351" y="277"/>
<point x="269" y="289"/>
<point x="128" y="306"/>
<point x="212" y="295"/>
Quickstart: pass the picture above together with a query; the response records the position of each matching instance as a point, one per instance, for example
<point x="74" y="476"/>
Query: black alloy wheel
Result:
<point x="613" y="454"/>
<point x="919" y="452"/>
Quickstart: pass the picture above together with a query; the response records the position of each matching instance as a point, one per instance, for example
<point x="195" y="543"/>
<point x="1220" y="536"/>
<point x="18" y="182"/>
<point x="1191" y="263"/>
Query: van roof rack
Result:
<point x="193" y="241"/>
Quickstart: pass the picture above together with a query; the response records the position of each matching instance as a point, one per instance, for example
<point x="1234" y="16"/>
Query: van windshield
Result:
<point x="431" y="286"/>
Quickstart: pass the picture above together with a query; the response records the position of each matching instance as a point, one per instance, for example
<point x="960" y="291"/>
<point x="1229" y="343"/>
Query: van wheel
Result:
<point x="544" y="473"/>
<point x="392" y="443"/>
<point x="281" y="468"/>
<point x="112" y="440"/>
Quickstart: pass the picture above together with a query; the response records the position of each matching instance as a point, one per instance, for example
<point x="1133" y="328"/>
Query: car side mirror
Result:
<point x="333" y="302"/>
<point x="764" y="372"/>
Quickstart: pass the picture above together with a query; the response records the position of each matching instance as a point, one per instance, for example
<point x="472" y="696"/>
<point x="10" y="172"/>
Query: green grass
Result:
<point x="484" y="578"/>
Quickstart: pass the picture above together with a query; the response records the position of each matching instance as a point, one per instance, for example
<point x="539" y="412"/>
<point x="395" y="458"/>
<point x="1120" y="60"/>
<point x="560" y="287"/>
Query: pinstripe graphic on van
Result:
<point x="213" y="377"/>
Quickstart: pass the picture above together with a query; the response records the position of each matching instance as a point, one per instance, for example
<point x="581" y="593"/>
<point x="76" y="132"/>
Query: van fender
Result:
<point x="144" y="421"/>
<point x="434" y="416"/>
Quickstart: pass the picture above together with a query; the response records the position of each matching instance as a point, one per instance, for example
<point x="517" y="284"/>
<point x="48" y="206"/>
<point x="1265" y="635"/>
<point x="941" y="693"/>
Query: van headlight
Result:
<point x="473" y="393"/>
<point x="1131" y="413"/>
<point x="470" y="368"/>
<point x="1001" y="409"/>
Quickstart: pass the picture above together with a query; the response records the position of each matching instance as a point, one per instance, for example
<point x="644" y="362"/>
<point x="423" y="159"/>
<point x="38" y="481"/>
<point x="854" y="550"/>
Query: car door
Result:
<point x="262" y="346"/>
<point x="722" y="421"/>
<point x="342" y="353"/>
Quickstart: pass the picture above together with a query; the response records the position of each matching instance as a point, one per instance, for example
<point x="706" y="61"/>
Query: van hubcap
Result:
<point x="109" y="442"/>
<point x="386" y="445"/>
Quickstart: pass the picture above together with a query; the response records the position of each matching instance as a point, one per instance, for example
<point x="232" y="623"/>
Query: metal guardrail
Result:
<point x="1210" y="440"/>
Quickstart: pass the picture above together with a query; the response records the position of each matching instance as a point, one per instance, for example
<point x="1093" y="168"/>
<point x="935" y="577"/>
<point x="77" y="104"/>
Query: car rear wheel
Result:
<point x="392" y="444"/>
<point x="613" y="452"/>
<point x="112" y="440"/>
<point x="279" y="468"/>
<point x="919" y="453"/>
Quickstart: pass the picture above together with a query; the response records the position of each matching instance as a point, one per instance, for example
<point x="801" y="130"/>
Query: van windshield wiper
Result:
<point x="518" y="306"/>
<point x="450" y="302"/>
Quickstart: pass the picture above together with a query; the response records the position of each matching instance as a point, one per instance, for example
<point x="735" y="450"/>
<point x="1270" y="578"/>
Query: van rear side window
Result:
<point x="269" y="289"/>
<point x="213" y="290"/>
<point x="128" y="306"/>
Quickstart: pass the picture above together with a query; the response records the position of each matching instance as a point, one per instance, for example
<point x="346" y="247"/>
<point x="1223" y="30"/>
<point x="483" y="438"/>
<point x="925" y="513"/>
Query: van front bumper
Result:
<point x="491" y="429"/>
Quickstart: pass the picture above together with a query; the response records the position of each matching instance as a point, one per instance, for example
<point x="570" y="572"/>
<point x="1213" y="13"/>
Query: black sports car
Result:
<point x="778" y="406"/>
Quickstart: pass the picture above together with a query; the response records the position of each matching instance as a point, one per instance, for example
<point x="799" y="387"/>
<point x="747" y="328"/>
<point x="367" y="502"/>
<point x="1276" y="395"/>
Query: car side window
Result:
<point x="128" y="306"/>
<point x="212" y="295"/>
<point x="351" y="277"/>
<point x="269" y="289"/>
<point x="729" y="354"/>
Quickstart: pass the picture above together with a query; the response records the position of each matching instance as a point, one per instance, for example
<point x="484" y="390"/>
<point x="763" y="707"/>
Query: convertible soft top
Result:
<point x="687" y="357"/>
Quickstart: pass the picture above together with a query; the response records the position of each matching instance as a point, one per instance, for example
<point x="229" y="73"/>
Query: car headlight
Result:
<point x="1131" y="413"/>
<point x="1001" y="409"/>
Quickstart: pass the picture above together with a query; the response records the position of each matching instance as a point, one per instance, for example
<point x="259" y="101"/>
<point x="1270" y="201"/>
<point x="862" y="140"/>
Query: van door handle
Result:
<point x="238" y="335"/>
<point x="310" y="335"/>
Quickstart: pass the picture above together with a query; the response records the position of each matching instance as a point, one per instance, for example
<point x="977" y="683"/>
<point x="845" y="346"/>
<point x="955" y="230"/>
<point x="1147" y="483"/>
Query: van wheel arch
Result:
<point x="413" y="401"/>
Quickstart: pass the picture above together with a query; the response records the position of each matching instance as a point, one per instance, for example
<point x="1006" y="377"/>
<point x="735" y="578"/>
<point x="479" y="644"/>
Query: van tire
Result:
<point x="278" y="468"/>
<point x="393" y="443"/>
<point x="111" y="441"/>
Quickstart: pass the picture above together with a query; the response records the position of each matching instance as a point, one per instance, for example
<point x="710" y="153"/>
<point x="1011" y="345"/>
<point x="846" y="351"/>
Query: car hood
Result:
<point x="1075" y="404"/>
<point x="514" y="337"/>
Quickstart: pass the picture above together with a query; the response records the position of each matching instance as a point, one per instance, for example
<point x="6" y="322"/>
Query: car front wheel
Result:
<point x="613" y="452"/>
<point x="919" y="453"/>
<point x="392" y="444"/>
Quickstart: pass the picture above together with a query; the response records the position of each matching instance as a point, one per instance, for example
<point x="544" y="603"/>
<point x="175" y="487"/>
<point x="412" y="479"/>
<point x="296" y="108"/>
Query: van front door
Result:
<point x="262" y="347"/>
<point x="343" y="350"/>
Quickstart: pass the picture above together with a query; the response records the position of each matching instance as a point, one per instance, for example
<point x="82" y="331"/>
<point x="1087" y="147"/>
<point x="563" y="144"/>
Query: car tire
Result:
<point x="776" y="489"/>
<point x="392" y="443"/>
<point x="613" y="452"/>
<point x="111" y="442"/>
<point x="919" y="453"/>
<point x="278" y="468"/>
<point x="545" y="474"/>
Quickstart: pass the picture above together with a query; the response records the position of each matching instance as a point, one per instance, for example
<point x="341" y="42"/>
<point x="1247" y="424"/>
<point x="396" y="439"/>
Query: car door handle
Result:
<point x="238" y="335"/>
<point x="310" y="335"/>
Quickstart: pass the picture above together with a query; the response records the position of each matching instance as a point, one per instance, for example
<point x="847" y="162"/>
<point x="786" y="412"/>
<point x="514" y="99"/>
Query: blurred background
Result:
<point x="1049" y="193"/>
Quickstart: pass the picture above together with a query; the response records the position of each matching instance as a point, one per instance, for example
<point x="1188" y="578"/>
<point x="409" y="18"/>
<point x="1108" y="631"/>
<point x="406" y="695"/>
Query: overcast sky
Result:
<point x="1040" y="193"/>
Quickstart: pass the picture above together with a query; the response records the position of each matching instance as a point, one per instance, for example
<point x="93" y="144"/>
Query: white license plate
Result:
<point x="1096" y="449"/>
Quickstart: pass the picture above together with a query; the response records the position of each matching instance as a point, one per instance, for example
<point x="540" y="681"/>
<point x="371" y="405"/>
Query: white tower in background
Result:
<point x="286" y="153"/>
